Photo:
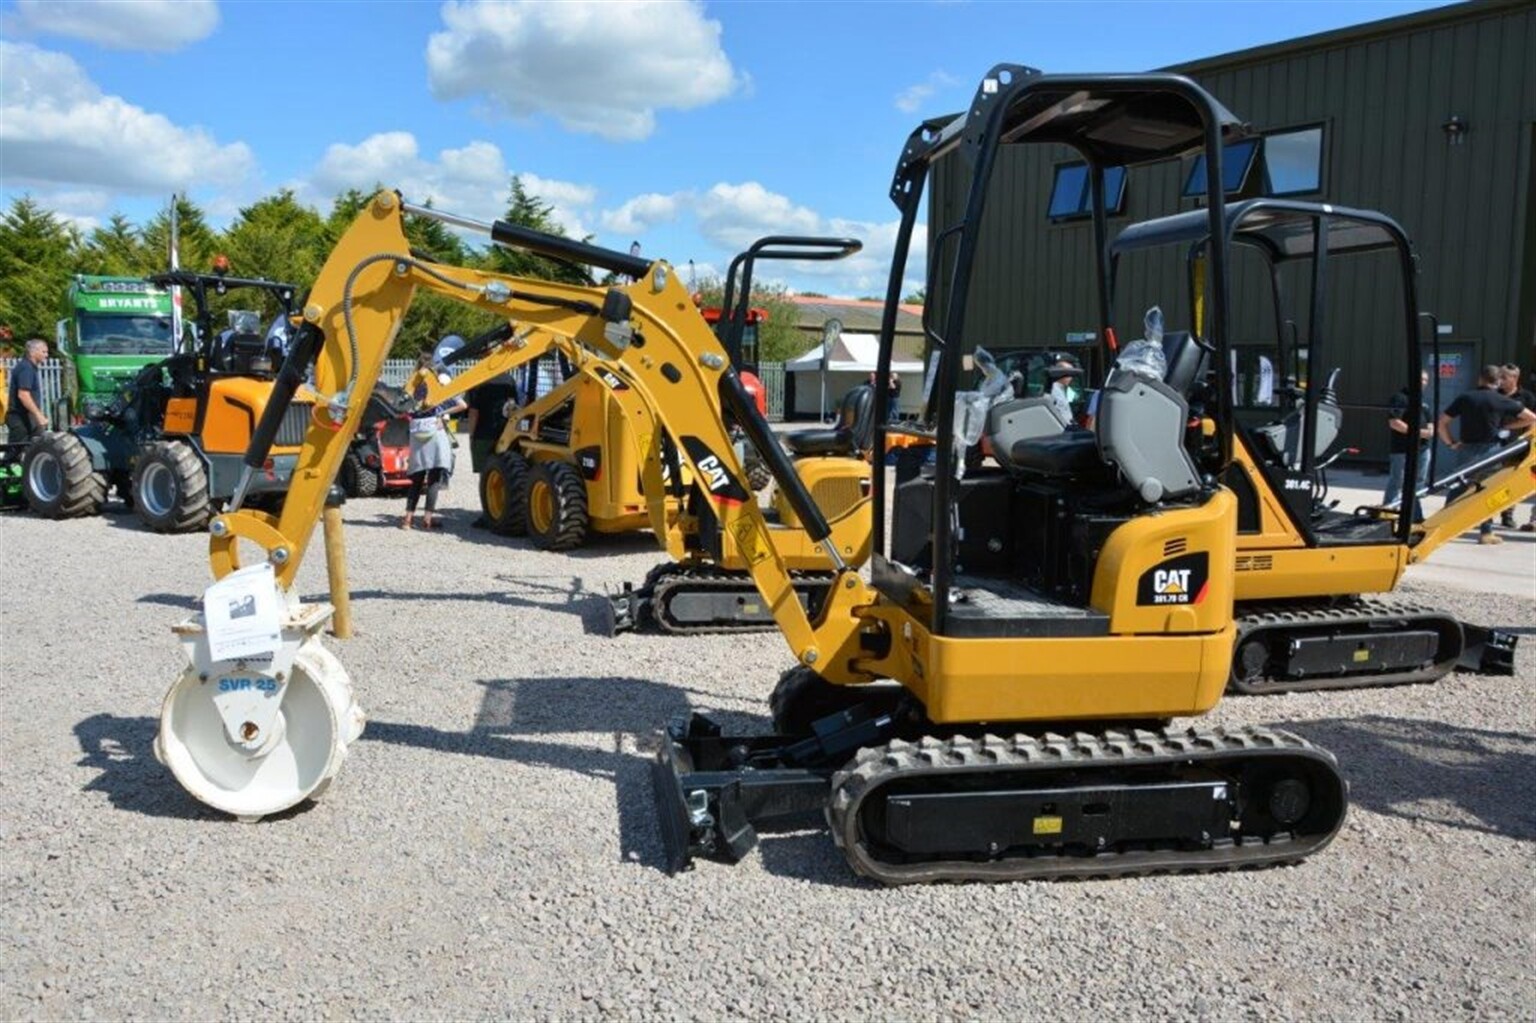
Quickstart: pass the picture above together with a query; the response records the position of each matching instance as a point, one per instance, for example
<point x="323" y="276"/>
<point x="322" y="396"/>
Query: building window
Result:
<point x="1293" y="162"/>
<point x="1287" y="163"/>
<point x="1236" y="163"/>
<point x="1072" y="193"/>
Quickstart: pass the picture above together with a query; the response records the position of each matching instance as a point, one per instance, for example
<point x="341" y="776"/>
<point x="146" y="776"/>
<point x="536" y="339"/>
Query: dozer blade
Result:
<point x="713" y="791"/>
<point x="1487" y="651"/>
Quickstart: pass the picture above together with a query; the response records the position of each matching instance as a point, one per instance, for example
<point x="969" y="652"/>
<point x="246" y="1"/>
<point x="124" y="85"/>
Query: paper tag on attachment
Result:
<point x="242" y="616"/>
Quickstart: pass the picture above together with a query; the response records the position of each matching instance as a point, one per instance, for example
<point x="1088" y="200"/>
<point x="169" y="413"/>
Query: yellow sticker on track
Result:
<point x="1048" y="825"/>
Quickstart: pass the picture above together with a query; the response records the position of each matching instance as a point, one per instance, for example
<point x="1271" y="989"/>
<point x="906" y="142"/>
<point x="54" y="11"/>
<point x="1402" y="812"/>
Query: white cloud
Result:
<point x="473" y="180"/>
<point x="158" y="25"/>
<point x="640" y="214"/>
<point x="58" y="128"/>
<point x="598" y="68"/>
<point x="732" y="216"/>
<point x="911" y="99"/>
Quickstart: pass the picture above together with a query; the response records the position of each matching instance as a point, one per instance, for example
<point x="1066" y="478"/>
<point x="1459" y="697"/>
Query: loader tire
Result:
<point x="556" y="506"/>
<point x="358" y="478"/>
<point x="170" y="488"/>
<point x="501" y="493"/>
<point x="58" y="478"/>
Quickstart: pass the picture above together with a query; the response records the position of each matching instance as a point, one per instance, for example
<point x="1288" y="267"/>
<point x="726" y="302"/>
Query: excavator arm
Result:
<point x="1501" y="481"/>
<point x="647" y="333"/>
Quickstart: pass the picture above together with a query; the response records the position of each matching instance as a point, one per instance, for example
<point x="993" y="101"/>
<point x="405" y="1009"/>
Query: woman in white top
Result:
<point x="431" y="453"/>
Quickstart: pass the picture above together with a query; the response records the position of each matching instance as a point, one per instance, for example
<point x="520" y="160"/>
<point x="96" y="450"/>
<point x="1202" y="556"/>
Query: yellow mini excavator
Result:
<point x="1308" y="572"/>
<point x="953" y="720"/>
<point x="706" y="586"/>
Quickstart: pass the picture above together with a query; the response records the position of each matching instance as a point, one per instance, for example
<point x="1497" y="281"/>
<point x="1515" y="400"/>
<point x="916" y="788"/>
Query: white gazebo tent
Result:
<point x="850" y="360"/>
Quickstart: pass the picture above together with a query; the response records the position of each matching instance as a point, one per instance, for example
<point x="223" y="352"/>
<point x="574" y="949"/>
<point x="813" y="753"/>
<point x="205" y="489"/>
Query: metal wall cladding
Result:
<point x="1383" y="93"/>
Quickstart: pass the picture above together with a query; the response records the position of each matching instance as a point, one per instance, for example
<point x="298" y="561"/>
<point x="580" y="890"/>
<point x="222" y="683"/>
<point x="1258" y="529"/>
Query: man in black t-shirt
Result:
<point x="1397" y="446"/>
<point x="1509" y="386"/>
<point x="1480" y="414"/>
<point x="487" y="418"/>
<point x="24" y="415"/>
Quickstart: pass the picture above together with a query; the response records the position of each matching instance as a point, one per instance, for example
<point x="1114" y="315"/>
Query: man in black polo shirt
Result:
<point x="24" y="416"/>
<point x="1480" y="414"/>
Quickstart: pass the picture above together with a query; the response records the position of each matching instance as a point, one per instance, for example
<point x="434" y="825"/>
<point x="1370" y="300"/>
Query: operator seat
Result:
<point x="1284" y="439"/>
<point x="1020" y="419"/>
<point x="1139" y="431"/>
<point x="246" y="353"/>
<point x="852" y="434"/>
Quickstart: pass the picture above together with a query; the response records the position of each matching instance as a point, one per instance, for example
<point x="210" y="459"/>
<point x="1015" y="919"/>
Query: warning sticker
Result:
<point x="749" y="540"/>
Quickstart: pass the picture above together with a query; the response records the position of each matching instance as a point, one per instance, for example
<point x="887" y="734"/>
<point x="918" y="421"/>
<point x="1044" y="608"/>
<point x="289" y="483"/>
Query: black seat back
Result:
<point x="1187" y="359"/>
<point x="851" y="434"/>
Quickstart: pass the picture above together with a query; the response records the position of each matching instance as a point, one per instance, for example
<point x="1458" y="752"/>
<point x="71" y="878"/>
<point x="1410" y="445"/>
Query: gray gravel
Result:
<point x="489" y="849"/>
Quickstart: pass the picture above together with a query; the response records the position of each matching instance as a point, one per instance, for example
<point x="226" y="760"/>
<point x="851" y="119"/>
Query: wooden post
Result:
<point x="336" y="565"/>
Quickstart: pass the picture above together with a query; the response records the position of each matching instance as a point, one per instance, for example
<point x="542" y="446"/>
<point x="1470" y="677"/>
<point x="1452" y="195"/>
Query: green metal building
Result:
<point x="1429" y="117"/>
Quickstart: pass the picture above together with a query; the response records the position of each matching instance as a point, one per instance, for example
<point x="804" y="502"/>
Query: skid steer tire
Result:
<point x="502" y="500"/>
<point x="556" y="506"/>
<point x="170" y="488"/>
<point x="58" y="479"/>
<point x="358" y="478"/>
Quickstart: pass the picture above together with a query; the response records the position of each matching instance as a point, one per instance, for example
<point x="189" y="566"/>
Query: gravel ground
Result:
<point x="489" y="849"/>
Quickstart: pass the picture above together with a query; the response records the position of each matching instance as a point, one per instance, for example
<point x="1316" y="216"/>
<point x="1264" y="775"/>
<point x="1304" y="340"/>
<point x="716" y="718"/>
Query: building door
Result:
<point x="1456" y="374"/>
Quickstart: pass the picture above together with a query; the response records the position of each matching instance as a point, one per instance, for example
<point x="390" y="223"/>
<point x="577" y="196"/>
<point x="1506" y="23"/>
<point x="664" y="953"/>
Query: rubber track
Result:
<point x="666" y="580"/>
<point x="1284" y="616"/>
<point x="83" y="489"/>
<point x="1020" y="755"/>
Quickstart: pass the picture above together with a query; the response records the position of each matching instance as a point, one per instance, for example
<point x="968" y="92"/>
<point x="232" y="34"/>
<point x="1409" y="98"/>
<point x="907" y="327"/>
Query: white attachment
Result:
<point x="255" y="737"/>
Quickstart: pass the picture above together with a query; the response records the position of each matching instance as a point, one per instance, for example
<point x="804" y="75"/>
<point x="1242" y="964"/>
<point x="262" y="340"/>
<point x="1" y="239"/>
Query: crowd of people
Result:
<point x="1474" y="426"/>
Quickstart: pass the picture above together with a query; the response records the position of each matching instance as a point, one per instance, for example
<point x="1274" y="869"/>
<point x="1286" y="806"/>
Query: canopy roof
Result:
<point x="1282" y="228"/>
<point x="850" y="353"/>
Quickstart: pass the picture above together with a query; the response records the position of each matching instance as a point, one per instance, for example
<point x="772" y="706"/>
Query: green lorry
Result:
<point x="112" y="328"/>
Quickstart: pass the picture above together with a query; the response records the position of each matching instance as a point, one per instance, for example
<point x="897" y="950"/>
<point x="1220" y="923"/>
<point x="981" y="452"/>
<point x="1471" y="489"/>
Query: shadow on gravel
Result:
<point x="565" y="594"/>
<point x="122" y="750"/>
<point x="180" y="600"/>
<point x="458" y="523"/>
<point x="1469" y="778"/>
<point x="513" y="712"/>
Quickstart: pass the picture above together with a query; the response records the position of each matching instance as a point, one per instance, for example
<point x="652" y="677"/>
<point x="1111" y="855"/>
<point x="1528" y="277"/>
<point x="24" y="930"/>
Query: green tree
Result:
<point x="918" y="297"/>
<point x="115" y="249"/>
<point x="527" y="210"/>
<point x="196" y="242"/>
<point x="779" y="338"/>
<point x="38" y="252"/>
<point x="276" y="237"/>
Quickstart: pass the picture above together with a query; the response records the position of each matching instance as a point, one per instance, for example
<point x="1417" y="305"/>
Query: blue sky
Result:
<point x="690" y="127"/>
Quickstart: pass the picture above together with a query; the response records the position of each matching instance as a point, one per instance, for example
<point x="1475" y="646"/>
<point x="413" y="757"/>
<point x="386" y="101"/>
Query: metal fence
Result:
<point x="772" y="376"/>
<point x="50" y="375"/>
<point x="396" y="371"/>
